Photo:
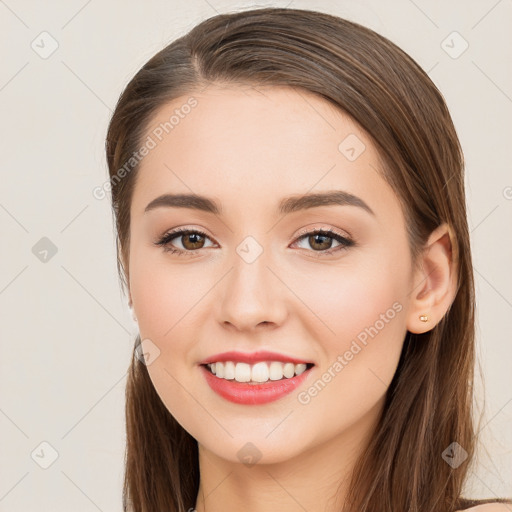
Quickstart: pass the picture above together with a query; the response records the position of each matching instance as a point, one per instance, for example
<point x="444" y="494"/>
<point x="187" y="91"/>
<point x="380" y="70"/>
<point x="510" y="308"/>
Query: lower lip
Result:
<point x="253" y="394"/>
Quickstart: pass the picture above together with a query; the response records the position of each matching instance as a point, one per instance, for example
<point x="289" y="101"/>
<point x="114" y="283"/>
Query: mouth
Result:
<point x="256" y="374"/>
<point x="258" y="384"/>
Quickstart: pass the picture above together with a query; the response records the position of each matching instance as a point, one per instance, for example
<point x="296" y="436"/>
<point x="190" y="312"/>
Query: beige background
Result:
<point x="66" y="332"/>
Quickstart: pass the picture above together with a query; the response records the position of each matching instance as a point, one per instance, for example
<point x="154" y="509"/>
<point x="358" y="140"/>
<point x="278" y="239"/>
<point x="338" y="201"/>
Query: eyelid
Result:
<point x="181" y="231"/>
<point x="304" y="231"/>
<point x="345" y="241"/>
<point x="324" y="228"/>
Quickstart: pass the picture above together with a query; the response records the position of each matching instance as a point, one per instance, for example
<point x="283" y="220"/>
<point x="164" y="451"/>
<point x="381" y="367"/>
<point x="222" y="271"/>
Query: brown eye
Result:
<point x="192" y="241"/>
<point x="320" y="242"/>
<point x="189" y="239"/>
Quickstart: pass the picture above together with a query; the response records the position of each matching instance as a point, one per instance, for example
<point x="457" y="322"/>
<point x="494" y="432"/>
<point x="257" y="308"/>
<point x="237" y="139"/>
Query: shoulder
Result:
<point x="489" y="507"/>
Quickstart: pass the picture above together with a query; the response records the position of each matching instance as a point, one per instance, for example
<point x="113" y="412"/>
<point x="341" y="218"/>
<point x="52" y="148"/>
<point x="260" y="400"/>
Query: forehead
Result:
<point x="248" y="145"/>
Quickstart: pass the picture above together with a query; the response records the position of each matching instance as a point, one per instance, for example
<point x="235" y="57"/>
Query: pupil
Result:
<point x="325" y="243"/>
<point x="194" y="239"/>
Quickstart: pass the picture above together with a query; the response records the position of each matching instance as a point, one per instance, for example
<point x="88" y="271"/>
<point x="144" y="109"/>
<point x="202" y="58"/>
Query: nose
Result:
<point x="252" y="296"/>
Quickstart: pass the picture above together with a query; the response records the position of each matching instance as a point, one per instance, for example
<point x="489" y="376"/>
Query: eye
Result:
<point x="321" y="240"/>
<point x="192" y="240"/>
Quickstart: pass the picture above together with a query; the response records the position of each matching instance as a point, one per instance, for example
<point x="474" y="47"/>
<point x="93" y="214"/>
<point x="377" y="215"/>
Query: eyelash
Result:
<point x="166" y="239"/>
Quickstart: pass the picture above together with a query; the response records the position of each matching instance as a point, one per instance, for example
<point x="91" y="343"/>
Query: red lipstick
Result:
<point x="253" y="393"/>
<point x="252" y="358"/>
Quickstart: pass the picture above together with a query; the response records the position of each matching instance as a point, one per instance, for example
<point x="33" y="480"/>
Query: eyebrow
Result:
<point x="286" y="205"/>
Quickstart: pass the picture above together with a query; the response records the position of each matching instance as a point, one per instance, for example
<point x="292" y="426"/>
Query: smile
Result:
<point x="260" y="383"/>
<point x="256" y="373"/>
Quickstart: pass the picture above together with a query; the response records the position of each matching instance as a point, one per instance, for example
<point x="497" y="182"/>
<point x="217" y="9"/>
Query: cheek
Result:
<point x="363" y="308"/>
<point x="164" y="296"/>
<point x="162" y="292"/>
<point x="351" y="298"/>
<point x="170" y="300"/>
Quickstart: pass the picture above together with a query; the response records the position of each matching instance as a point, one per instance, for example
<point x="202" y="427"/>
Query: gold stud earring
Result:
<point x="424" y="318"/>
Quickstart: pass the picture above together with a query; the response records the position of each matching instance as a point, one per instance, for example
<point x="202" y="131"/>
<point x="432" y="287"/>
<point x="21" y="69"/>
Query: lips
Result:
<point x="253" y="394"/>
<point x="252" y="358"/>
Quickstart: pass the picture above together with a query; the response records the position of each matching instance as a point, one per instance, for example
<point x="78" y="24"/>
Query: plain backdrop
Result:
<point x="66" y="332"/>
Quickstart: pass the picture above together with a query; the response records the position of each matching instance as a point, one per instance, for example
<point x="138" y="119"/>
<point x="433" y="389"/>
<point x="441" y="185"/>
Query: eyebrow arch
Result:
<point x="286" y="205"/>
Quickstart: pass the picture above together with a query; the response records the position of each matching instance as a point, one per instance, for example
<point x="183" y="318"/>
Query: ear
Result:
<point x="435" y="281"/>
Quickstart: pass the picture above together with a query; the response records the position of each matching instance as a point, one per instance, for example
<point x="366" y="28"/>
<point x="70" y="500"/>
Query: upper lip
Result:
<point x="253" y="357"/>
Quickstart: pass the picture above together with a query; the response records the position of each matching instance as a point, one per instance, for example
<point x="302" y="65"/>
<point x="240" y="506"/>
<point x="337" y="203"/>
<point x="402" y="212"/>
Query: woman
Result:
<point x="289" y="199"/>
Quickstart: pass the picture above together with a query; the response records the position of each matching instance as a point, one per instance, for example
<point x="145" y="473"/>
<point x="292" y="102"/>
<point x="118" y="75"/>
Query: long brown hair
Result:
<point x="428" y="405"/>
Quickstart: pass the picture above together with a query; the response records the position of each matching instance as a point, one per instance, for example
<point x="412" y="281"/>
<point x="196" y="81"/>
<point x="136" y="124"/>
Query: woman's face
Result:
<point x="254" y="282"/>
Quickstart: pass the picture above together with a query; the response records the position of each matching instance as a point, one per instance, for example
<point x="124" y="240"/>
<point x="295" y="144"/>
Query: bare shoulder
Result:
<point x="490" y="507"/>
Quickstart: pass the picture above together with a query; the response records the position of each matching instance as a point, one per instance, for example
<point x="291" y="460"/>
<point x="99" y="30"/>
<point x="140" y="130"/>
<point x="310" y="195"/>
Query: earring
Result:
<point x="424" y="318"/>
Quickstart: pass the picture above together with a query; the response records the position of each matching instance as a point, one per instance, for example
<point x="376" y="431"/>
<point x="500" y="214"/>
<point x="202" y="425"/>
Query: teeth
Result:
<point x="229" y="370"/>
<point x="289" y="370"/>
<point x="242" y="371"/>
<point x="259" y="372"/>
<point x="276" y="370"/>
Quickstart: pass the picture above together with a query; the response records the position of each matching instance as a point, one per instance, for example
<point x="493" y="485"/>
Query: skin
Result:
<point x="248" y="148"/>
